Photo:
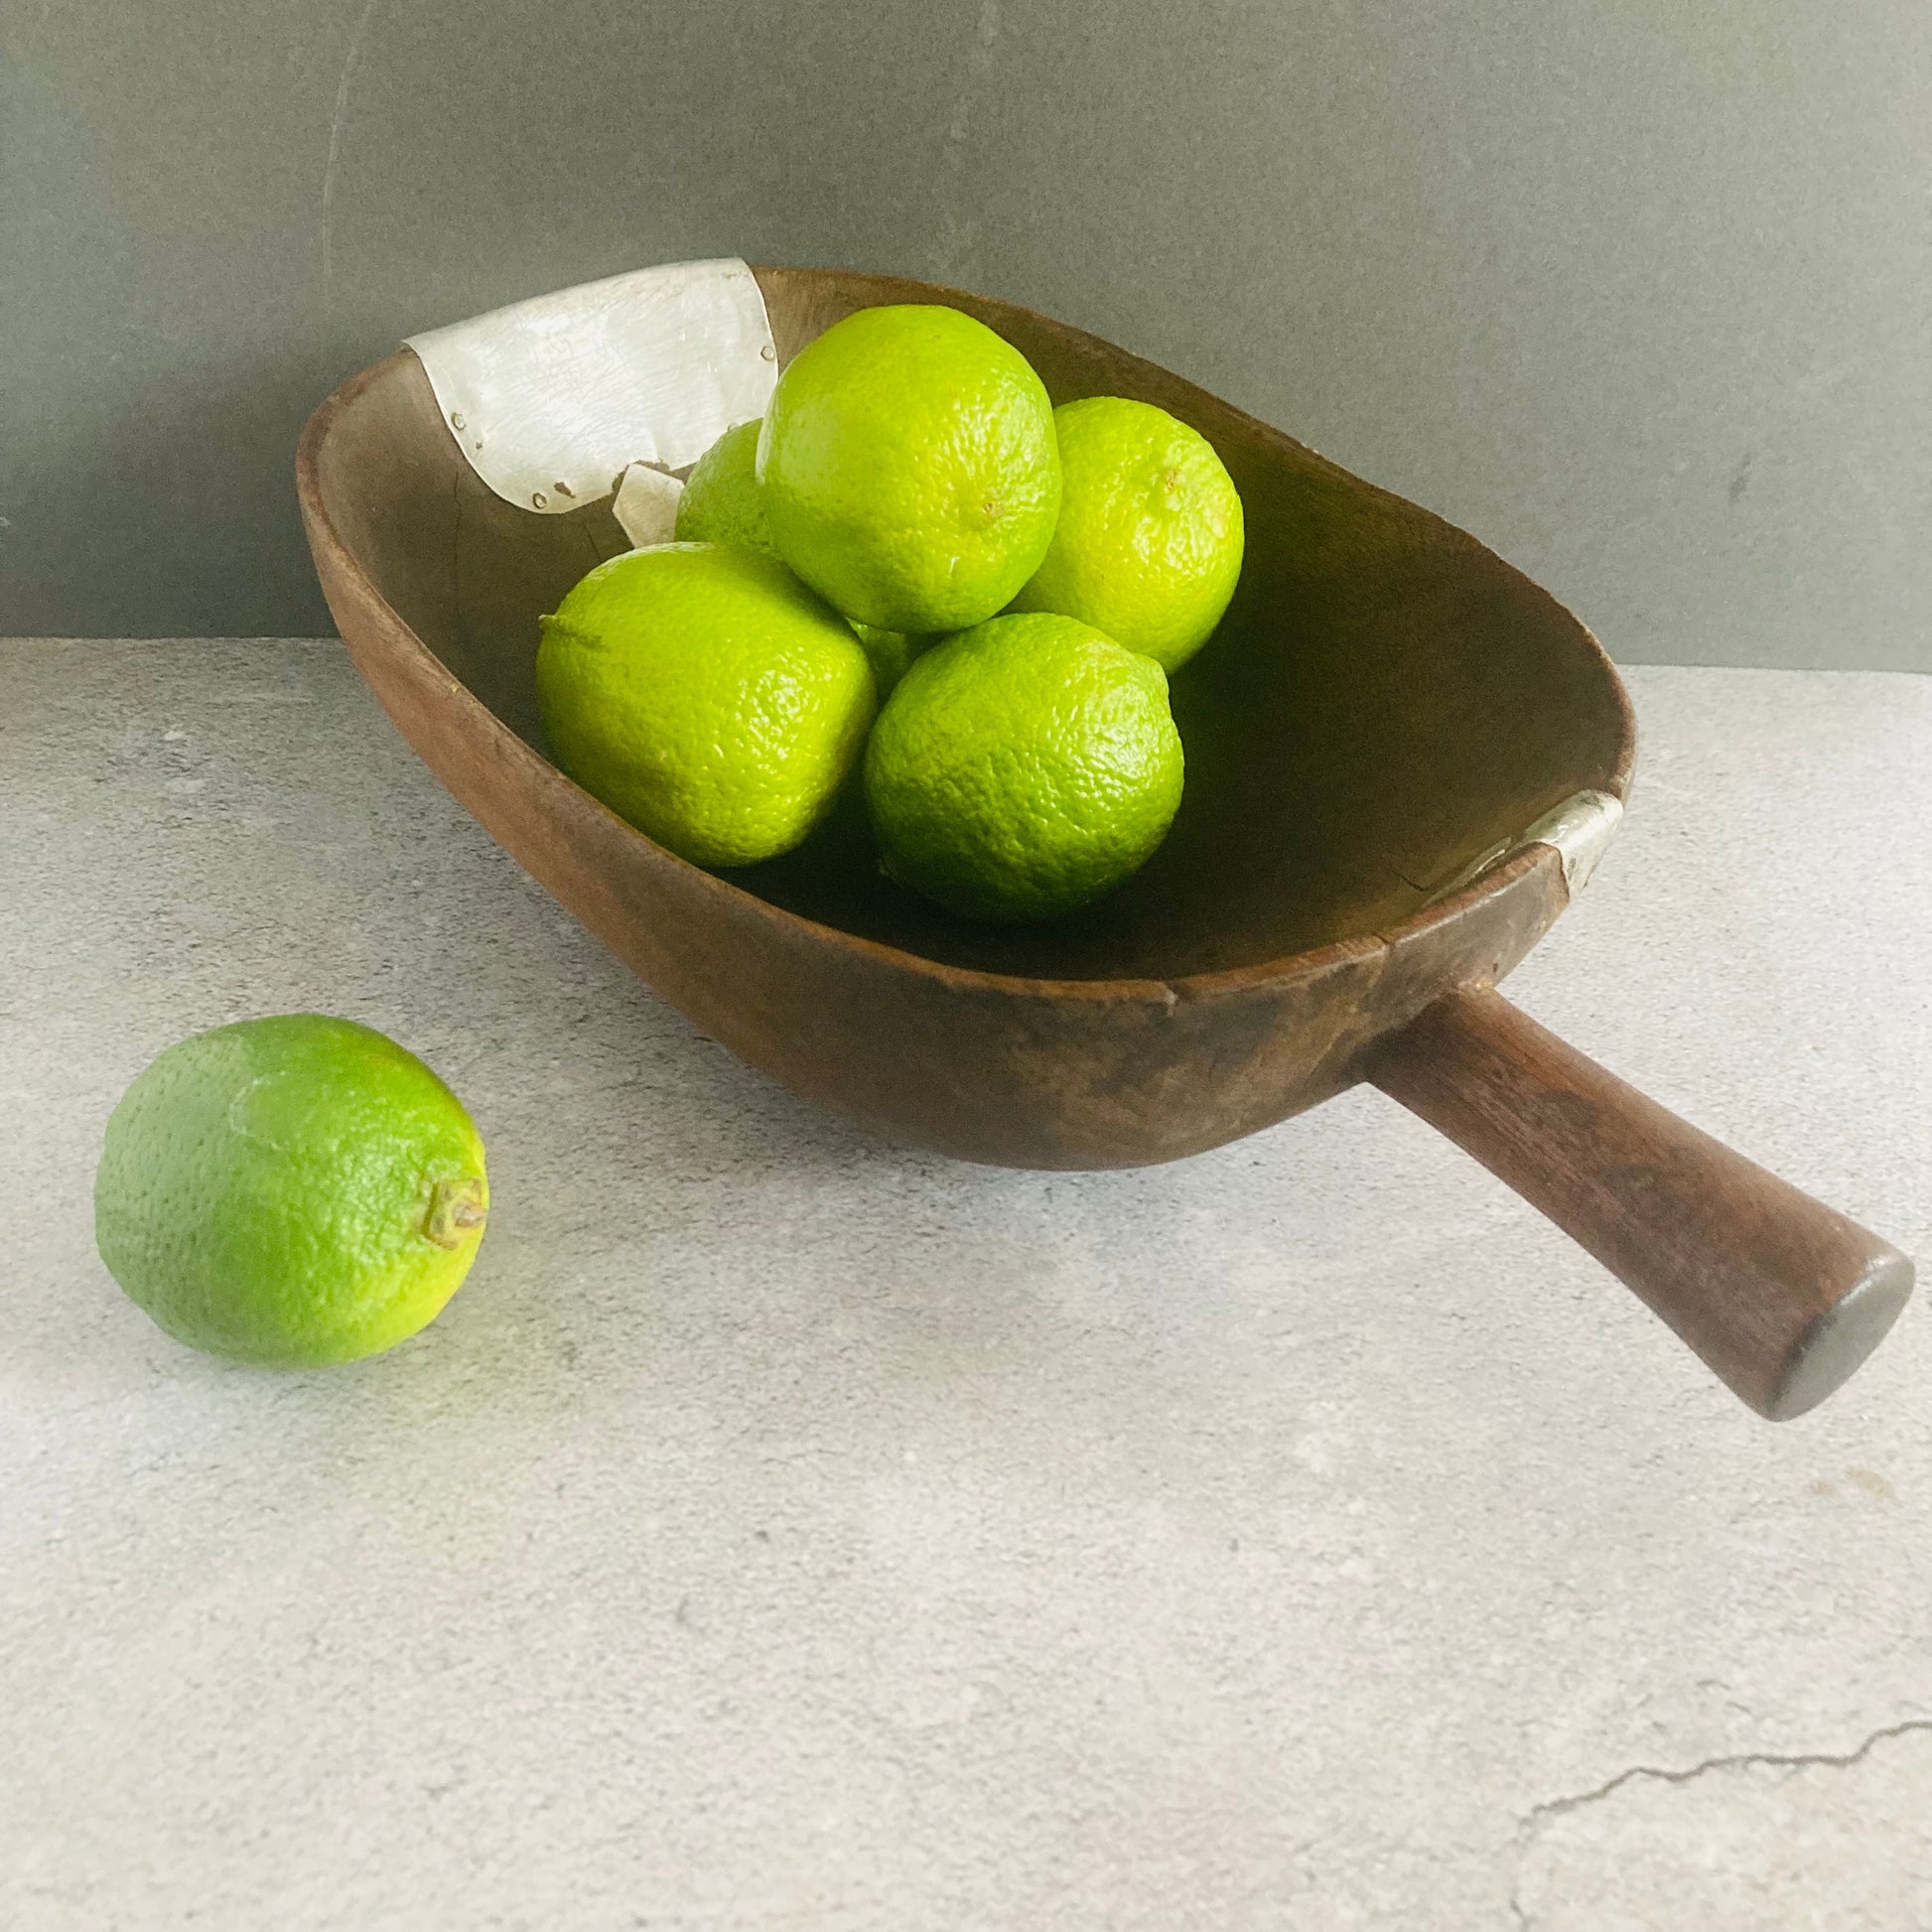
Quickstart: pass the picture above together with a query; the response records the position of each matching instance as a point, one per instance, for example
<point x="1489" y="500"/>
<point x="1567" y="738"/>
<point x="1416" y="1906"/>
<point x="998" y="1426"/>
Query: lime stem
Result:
<point x="454" y="1207"/>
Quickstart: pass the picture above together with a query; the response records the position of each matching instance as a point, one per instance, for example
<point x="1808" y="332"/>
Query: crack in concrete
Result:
<point x="1796" y="1761"/>
<point x="1538" y="1815"/>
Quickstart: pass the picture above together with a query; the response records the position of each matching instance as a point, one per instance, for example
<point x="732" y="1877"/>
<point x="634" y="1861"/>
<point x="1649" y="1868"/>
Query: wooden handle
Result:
<point x="1782" y="1295"/>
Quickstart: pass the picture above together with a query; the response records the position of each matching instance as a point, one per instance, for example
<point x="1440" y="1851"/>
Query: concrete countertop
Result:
<point x="783" y="1530"/>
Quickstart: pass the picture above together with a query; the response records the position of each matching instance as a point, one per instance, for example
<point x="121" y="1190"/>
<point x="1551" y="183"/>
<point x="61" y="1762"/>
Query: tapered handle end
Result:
<point x="1782" y="1295"/>
<point x="1837" y="1341"/>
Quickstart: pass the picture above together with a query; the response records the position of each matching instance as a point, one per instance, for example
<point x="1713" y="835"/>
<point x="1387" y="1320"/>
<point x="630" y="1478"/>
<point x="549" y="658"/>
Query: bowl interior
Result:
<point x="1385" y="703"/>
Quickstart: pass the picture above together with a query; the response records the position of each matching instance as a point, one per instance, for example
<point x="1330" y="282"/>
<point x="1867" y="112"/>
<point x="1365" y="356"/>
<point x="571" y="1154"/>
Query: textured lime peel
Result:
<point x="908" y="467"/>
<point x="723" y="503"/>
<point x="705" y="696"/>
<point x="1023" y="769"/>
<point x="1147" y="548"/>
<point x="291" y="1192"/>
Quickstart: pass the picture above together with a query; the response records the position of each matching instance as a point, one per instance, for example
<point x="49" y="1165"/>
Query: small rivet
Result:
<point x="455" y="421"/>
<point x="770" y="353"/>
<point x="538" y="498"/>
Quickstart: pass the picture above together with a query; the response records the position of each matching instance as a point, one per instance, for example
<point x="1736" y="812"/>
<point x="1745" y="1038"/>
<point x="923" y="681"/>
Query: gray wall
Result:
<point x="1637" y="290"/>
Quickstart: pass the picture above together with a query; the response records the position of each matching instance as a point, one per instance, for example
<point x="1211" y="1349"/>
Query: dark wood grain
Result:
<point x="1782" y="1296"/>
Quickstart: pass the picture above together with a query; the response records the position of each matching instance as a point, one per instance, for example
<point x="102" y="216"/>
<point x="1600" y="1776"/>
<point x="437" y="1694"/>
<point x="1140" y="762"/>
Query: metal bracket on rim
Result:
<point x="552" y="400"/>
<point x="1578" y="831"/>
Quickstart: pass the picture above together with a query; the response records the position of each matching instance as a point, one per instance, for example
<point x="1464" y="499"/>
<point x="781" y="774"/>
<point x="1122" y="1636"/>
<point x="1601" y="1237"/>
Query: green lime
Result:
<point x="703" y="694"/>
<point x="889" y="652"/>
<point x="908" y="467"/>
<point x="1149" y="543"/>
<point x="722" y="502"/>
<point x="290" y="1191"/>
<point x="1023" y="769"/>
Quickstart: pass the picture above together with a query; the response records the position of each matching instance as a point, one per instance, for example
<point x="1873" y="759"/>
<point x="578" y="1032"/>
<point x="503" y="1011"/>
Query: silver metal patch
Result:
<point x="1580" y="828"/>
<point x="647" y="505"/>
<point x="552" y="399"/>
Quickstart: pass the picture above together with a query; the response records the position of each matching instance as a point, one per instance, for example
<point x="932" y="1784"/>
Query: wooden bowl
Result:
<point x="1386" y="713"/>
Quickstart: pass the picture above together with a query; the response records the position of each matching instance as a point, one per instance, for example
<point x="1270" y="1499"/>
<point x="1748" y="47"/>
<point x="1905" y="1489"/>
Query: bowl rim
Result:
<point x="1492" y="880"/>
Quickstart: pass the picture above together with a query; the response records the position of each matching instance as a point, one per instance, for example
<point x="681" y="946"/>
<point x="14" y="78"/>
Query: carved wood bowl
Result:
<point x="1384" y="714"/>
